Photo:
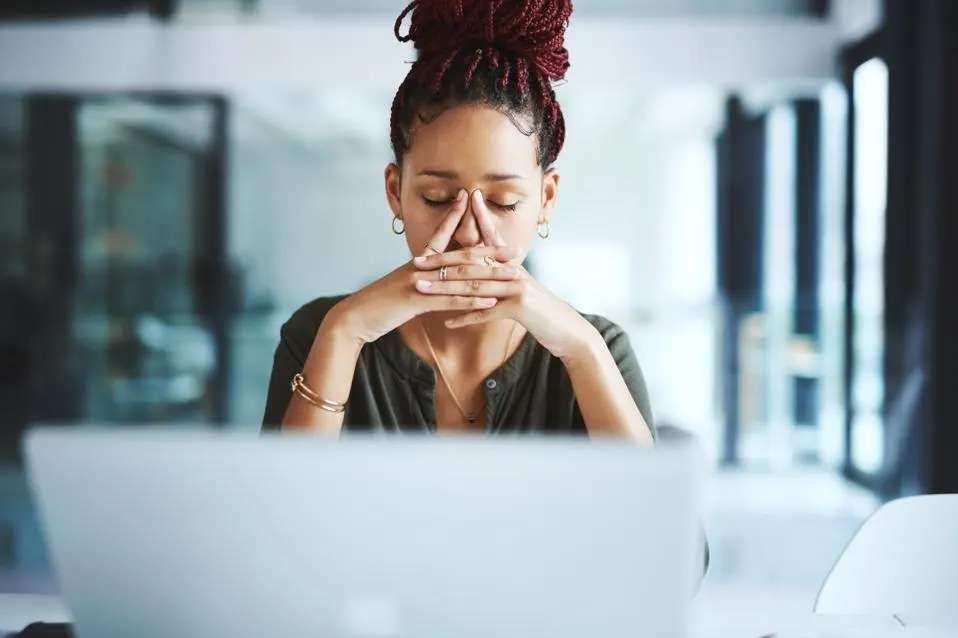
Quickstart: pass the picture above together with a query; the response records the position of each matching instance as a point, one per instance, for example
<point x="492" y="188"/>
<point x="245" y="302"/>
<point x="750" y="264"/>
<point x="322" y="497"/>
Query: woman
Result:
<point x="462" y="338"/>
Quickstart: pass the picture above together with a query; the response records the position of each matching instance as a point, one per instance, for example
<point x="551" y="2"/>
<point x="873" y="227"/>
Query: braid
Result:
<point x="522" y="75"/>
<point x="471" y="66"/>
<point x="502" y="53"/>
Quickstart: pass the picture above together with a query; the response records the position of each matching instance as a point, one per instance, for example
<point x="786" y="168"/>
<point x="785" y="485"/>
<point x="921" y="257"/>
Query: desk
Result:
<point x="19" y="610"/>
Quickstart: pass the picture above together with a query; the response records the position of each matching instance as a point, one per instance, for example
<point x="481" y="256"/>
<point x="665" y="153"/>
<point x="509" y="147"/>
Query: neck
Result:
<point x="475" y="347"/>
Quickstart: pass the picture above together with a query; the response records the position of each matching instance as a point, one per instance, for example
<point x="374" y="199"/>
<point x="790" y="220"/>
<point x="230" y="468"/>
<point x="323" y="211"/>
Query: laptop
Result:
<point x="199" y="533"/>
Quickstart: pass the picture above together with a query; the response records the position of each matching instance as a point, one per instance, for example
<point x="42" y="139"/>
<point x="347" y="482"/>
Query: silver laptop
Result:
<point x="172" y="532"/>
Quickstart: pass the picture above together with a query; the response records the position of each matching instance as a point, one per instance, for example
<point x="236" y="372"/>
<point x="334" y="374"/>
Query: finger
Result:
<point x="472" y="271"/>
<point x="471" y="287"/>
<point x="440" y="238"/>
<point x="476" y="316"/>
<point x="490" y="235"/>
<point x="473" y="255"/>
<point x="435" y="303"/>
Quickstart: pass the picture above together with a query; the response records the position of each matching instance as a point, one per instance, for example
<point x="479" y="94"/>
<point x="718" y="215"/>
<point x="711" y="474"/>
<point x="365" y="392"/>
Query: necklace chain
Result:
<point x="471" y="418"/>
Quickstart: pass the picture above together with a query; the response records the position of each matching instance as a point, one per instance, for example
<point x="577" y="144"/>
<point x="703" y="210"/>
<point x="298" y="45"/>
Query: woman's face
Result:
<point x="471" y="147"/>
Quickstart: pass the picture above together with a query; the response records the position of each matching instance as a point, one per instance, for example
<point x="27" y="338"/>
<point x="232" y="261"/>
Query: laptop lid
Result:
<point x="160" y="532"/>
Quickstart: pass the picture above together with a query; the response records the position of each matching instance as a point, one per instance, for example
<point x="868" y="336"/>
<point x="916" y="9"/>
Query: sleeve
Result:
<point x="287" y="361"/>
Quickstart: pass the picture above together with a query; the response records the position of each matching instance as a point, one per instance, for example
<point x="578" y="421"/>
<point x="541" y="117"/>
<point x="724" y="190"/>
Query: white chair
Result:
<point x="903" y="560"/>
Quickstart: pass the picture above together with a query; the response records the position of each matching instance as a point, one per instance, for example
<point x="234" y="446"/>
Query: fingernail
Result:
<point x="422" y="283"/>
<point x="460" y="194"/>
<point x="488" y="302"/>
<point x="478" y="194"/>
<point x="420" y="259"/>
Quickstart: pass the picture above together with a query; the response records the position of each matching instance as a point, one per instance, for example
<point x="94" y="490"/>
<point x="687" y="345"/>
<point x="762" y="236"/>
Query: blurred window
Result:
<point x="870" y="100"/>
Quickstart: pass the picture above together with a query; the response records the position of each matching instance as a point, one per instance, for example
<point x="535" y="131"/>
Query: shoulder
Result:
<point x="617" y="340"/>
<point x="620" y="346"/>
<point x="300" y="329"/>
<point x="614" y="335"/>
<point x="312" y="313"/>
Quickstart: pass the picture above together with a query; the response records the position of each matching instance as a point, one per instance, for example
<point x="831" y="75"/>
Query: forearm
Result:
<point x="607" y="406"/>
<point x="328" y="370"/>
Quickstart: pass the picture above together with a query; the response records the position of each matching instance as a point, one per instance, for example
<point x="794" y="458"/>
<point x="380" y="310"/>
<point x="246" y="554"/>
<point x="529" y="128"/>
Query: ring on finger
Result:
<point x="492" y="263"/>
<point x="442" y="274"/>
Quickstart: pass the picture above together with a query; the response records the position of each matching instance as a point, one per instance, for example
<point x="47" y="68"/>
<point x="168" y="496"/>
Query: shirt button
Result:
<point x="491" y="384"/>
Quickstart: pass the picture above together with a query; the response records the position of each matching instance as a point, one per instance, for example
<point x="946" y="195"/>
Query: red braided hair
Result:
<point x="503" y="53"/>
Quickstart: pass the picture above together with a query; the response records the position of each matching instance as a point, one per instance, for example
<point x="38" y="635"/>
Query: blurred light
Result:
<point x="870" y="97"/>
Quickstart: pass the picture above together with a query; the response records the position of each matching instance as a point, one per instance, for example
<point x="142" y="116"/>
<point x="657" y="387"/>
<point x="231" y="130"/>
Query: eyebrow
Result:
<point x="489" y="177"/>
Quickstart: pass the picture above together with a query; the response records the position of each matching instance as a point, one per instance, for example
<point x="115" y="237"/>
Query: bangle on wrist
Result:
<point x="299" y="387"/>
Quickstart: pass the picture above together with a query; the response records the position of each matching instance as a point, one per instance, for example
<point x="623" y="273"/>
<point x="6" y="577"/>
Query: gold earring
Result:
<point x="402" y="229"/>
<point x="539" y="229"/>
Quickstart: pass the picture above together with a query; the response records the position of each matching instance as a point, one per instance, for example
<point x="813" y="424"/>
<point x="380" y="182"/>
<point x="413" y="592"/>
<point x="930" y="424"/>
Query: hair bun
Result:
<point x="533" y="29"/>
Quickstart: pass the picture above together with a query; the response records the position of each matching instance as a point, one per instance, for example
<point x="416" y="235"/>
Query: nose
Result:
<point x="468" y="233"/>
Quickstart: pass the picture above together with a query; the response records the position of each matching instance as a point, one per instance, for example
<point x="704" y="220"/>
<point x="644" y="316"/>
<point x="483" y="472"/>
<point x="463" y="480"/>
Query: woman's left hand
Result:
<point x="553" y="322"/>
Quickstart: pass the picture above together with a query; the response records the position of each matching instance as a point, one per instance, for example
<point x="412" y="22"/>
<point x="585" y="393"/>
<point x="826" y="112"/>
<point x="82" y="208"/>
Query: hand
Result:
<point x="393" y="299"/>
<point x="553" y="322"/>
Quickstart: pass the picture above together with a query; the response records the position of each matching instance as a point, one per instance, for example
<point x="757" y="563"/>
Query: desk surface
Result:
<point x="19" y="610"/>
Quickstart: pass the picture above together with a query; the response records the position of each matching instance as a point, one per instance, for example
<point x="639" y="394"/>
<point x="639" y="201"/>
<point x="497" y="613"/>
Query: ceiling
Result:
<point x="640" y="8"/>
<point x="185" y="9"/>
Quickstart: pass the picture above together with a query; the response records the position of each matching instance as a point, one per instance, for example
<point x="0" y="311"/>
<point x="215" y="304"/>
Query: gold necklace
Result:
<point x="471" y="418"/>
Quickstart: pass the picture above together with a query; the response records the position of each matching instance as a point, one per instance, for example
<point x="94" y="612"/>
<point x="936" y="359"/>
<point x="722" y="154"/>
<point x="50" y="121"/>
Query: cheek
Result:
<point x="517" y="228"/>
<point x="417" y="223"/>
<point x="418" y="216"/>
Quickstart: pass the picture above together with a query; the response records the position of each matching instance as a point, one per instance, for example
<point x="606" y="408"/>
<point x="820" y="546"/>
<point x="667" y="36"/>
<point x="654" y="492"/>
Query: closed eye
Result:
<point x="441" y="204"/>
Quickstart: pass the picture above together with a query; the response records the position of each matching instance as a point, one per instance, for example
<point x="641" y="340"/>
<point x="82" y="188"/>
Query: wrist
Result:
<point x="333" y="341"/>
<point x="584" y="346"/>
<point x="337" y="327"/>
<point x="331" y="347"/>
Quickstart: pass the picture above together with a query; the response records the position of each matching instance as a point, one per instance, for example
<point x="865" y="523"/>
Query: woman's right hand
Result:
<point x="392" y="300"/>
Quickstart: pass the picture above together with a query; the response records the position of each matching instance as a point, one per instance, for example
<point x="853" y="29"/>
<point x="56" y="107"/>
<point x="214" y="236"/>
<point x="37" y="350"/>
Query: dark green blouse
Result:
<point x="393" y="388"/>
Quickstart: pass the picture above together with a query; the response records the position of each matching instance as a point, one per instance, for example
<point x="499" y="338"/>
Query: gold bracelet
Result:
<point x="325" y="404"/>
<point x="298" y="386"/>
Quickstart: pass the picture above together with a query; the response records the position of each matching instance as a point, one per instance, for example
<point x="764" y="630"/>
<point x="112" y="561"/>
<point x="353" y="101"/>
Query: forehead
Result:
<point x="472" y="140"/>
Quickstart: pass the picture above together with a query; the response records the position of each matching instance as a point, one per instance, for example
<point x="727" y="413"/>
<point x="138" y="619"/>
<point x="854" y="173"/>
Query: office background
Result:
<point x="765" y="189"/>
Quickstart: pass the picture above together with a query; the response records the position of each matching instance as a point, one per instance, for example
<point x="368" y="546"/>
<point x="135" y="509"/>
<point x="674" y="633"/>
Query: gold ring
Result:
<point x="492" y="263"/>
<point x="438" y="252"/>
<point x="442" y="273"/>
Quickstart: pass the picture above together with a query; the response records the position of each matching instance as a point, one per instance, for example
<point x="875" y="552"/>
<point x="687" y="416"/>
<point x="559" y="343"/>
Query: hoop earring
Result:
<point x="402" y="229"/>
<point x="539" y="229"/>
